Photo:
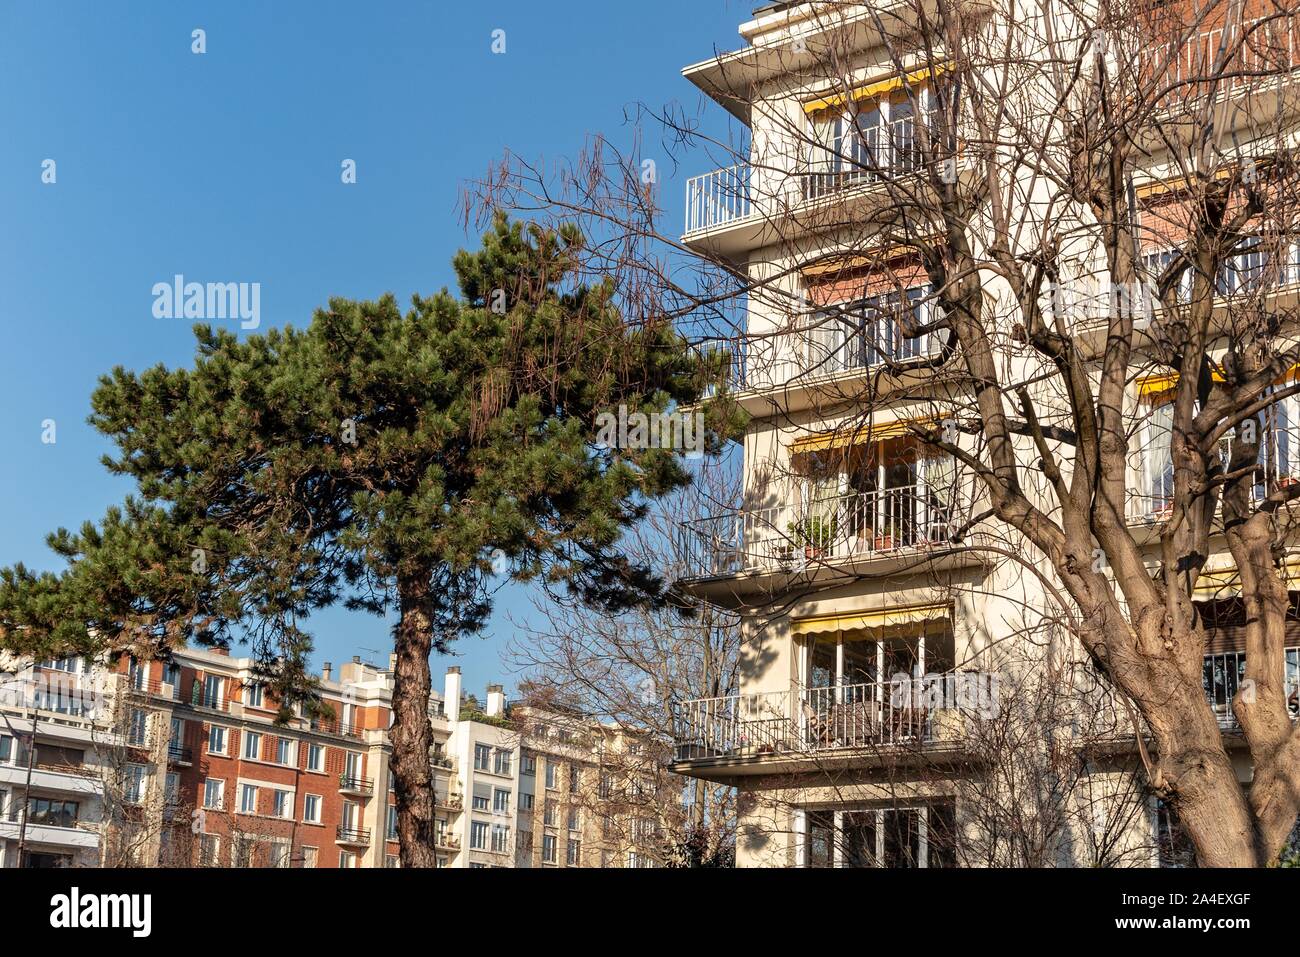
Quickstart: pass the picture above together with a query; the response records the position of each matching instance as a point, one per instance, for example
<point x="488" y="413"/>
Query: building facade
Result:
<point x="188" y="762"/>
<point x="875" y="647"/>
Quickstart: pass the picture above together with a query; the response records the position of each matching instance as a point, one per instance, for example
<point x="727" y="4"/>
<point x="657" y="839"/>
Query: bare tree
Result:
<point x="635" y="669"/>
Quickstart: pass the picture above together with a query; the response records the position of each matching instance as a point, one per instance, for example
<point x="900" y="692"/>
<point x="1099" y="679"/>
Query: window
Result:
<point x="217" y="740"/>
<point x="528" y="765"/>
<point x="214" y="794"/>
<point x="502" y="761"/>
<point x="480" y="802"/>
<point x="172" y="789"/>
<point x="286" y="752"/>
<point x="478" y="835"/>
<point x="310" y="857"/>
<point x="525" y="841"/>
<point x="253" y="695"/>
<point x="52" y="813"/>
<point x="574" y="819"/>
<point x="280" y="854"/>
<point x="348" y="860"/>
<point x="315" y="757"/>
<point x="209" y="850"/>
<point x="552" y="771"/>
<point x="248" y="799"/>
<point x="606" y="787"/>
<point x="133" y="783"/>
<point x="8" y="749"/>
<point x="172" y="676"/>
<point x="500" y="838"/>
<point x="311" y="809"/>
<point x="282" y="804"/>
<point x="391" y="832"/>
<point x="526" y="801"/>
<point x="482" y="757"/>
<point x="549" y="812"/>
<point x="252" y="746"/>
<point x="574" y="856"/>
<point x="138" y="730"/>
<point x="893" y="837"/>
<point x="575" y="779"/>
<point x="501" y="801"/>
<point x="213" y="691"/>
<point x="392" y="861"/>
<point x="549" y="848"/>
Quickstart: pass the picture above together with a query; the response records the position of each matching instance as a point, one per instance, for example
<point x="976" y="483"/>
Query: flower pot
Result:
<point x="812" y="551"/>
<point x="884" y="543"/>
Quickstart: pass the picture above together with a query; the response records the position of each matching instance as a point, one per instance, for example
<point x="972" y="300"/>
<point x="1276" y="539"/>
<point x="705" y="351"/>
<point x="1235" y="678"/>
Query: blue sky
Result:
<point x="226" y="167"/>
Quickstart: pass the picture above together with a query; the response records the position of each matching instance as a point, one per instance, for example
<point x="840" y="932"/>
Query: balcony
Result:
<point x="1223" y="674"/>
<point x="446" y="842"/>
<point x="452" y="802"/>
<point x="336" y="728"/>
<point x="795" y="723"/>
<point x="350" y="784"/>
<point x="720" y="198"/>
<point x="845" y="340"/>
<point x="1270" y="46"/>
<point x="180" y="754"/>
<point x="353" y="836"/>
<point x="788" y="538"/>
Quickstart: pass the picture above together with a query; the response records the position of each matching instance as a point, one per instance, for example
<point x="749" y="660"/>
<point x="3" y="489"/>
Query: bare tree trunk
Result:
<point x="411" y="735"/>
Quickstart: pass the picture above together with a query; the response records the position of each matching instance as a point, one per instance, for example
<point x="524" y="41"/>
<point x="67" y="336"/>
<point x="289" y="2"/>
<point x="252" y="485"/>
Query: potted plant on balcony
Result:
<point x="887" y="533"/>
<point x="815" y="533"/>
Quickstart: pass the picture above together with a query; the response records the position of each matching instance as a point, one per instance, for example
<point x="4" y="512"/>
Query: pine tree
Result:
<point x="381" y="460"/>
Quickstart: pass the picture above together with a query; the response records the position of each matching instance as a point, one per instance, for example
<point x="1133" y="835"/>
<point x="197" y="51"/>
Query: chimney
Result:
<point x="356" y="659"/>
<point x="327" y="671"/>
<point x="451" y="694"/>
<point x="496" y="705"/>
<point x="392" y="661"/>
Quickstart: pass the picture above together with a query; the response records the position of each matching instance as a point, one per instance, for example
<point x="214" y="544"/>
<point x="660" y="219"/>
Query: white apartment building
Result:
<point x="63" y="777"/>
<point x="839" y="557"/>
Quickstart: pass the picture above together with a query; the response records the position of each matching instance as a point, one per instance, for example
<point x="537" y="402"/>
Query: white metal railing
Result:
<point x="802" y="720"/>
<point x="718" y="198"/>
<point x="857" y="525"/>
<point x="1224" y="672"/>
<point x="865" y="155"/>
<point x="1269" y="46"/>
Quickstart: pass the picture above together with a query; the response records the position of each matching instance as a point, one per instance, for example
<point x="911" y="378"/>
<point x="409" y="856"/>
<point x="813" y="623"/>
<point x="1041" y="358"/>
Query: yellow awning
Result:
<point x="1156" y="384"/>
<point x="876" y="88"/>
<point x="865" y="620"/>
<point x="877" y="432"/>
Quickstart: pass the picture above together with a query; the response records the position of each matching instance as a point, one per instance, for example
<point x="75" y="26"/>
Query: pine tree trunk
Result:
<point x="411" y="735"/>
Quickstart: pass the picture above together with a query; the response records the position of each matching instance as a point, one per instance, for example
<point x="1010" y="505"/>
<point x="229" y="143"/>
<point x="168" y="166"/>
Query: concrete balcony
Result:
<point x="747" y="551"/>
<point x="800" y="729"/>
<point x="45" y="834"/>
<point x="45" y="780"/>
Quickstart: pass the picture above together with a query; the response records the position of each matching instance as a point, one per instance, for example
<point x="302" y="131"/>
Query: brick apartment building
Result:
<point x="185" y="764"/>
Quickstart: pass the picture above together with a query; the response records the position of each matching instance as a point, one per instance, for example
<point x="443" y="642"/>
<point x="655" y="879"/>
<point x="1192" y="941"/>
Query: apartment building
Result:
<point x="538" y="787"/>
<point x="59" y="706"/>
<point x="843" y="557"/>
<point x="187" y="762"/>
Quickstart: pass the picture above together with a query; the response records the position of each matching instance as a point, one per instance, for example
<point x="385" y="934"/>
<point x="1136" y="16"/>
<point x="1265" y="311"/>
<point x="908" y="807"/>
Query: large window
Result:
<point x="52" y="813"/>
<point x="502" y="761"/>
<point x="214" y="794"/>
<point x="252" y="746"/>
<point x="869" y="332"/>
<point x="867" y="140"/>
<point x="482" y="757"/>
<point x="889" y="837"/>
<point x="478" y="835"/>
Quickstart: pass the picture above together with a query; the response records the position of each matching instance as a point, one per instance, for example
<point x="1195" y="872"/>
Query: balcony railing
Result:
<point x="871" y="154"/>
<point x="447" y="841"/>
<point x="1260" y="47"/>
<point x="452" y="802"/>
<point x="180" y="754"/>
<point x="359" y="836"/>
<point x="718" y="198"/>
<point x="330" y="726"/>
<point x="801" y="721"/>
<point x="356" y="785"/>
<point x="858" y="525"/>
<point x="1224" y="672"/>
